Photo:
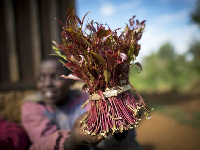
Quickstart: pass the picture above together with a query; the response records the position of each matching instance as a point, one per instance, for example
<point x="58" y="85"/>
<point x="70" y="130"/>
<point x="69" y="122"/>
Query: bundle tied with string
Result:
<point x="102" y="59"/>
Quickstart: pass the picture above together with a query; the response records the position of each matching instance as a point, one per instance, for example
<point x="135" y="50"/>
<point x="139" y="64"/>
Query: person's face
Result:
<point x="54" y="89"/>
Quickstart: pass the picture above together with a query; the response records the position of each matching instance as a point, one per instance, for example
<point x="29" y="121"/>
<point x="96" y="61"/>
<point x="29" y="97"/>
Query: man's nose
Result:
<point x="48" y="81"/>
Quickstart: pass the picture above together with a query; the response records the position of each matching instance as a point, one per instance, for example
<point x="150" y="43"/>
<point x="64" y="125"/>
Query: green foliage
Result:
<point x="194" y="65"/>
<point x="194" y="52"/>
<point x="167" y="71"/>
<point x="195" y="15"/>
<point x="166" y="52"/>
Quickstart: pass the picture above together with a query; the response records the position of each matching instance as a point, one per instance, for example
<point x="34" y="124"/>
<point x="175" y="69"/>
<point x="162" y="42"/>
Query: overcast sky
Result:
<point x="166" y="20"/>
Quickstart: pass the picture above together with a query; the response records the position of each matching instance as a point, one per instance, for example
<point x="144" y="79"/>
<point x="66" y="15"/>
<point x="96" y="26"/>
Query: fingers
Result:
<point x="79" y="120"/>
<point x="100" y="137"/>
<point x="93" y="140"/>
<point x="82" y="137"/>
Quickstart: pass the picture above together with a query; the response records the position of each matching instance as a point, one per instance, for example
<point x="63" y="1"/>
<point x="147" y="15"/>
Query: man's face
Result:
<point x="54" y="89"/>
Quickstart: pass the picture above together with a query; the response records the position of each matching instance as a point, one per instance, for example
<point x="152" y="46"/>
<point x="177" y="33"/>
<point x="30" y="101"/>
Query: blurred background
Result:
<point x="170" y="57"/>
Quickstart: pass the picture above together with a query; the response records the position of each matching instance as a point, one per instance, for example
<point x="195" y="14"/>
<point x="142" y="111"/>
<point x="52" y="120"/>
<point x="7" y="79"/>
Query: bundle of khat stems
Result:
<point x="102" y="59"/>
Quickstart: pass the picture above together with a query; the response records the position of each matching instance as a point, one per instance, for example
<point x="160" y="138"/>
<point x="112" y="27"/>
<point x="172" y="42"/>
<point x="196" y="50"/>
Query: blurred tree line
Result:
<point x="165" y="70"/>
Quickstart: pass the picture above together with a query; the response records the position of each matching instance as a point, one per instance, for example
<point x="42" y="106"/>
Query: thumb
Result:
<point x="80" y="119"/>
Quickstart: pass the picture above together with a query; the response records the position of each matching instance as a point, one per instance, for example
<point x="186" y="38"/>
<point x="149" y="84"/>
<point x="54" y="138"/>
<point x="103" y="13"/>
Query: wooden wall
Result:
<point x="27" y="29"/>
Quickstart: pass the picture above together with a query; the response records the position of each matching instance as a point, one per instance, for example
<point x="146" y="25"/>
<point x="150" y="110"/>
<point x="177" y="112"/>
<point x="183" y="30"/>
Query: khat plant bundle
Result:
<point x="102" y="59"/>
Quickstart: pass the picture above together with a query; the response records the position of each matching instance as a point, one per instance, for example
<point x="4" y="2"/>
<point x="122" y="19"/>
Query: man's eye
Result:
<point x="41" y="78"/>
<point x="57" y="77"/>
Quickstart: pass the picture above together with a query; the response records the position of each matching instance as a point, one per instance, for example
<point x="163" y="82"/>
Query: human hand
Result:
<point x="118" y="141"/>
<point x="78" y="138"/>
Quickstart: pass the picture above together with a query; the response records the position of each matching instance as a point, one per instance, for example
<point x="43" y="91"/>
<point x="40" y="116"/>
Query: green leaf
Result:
<point x="56" y="49"/>
<point x="63" y="56"/>
<point x="103" y="33"/>
<point x="87" y="69"/>
<point x="126" y="28"/>
<point x="70" y="29"/>
<point x="107" y="75"/>
<point x="74" y="60"/>
<point x="100" y="58"/>
<point x="130" y="53"/>
<point x="62" y="62"/>
<point x="108" y="41"/>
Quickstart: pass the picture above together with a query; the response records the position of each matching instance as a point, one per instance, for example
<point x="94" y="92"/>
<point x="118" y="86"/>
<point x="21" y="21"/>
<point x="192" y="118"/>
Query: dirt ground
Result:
<point x="166" y="132"/>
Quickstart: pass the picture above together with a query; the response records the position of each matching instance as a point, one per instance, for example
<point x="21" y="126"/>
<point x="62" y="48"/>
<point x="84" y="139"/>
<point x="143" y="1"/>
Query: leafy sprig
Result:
<point x="101" y="58"/>
<point x="97" y="55"/>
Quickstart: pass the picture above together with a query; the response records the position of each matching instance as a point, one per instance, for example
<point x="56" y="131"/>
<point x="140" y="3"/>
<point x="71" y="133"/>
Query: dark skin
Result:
<point x="55" y="91"/>
<point x="80" y="140"/>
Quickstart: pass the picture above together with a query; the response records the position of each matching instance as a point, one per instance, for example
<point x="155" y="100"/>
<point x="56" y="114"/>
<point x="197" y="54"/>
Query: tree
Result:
<point x="166" y="51"/>
<point x="195" y="15"/>
<point x="159" y="70"/>
<point x="166" y="70"/>
<point x="194" y="51"/>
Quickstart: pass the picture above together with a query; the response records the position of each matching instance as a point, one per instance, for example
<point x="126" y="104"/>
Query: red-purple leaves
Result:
<point x="131" y="21"/>
<point x="110" y="59"/>
<point x="139" y="65"/>
<point x="99" y="51"/>
<point x="84" y="17"/>
<point x="90" y="27"/>
<point x="101" y="58"/>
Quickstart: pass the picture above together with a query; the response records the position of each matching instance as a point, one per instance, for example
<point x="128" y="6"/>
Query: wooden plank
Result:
<point x="61" y="13"/>
<point x="54" y="25"/>
<point x="17" y="86"/>
<point x="11" y="41"/>
<point x="36" y="39"/>
<point x="4" y="63"/>
<point x="23" y="32"/>
<point x="45" y="29"/>
<point x="49" y="26"/>
<point x="63" y="8"/>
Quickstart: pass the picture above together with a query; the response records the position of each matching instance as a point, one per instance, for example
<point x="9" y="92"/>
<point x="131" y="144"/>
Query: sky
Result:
<point x="166" y="20"/>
